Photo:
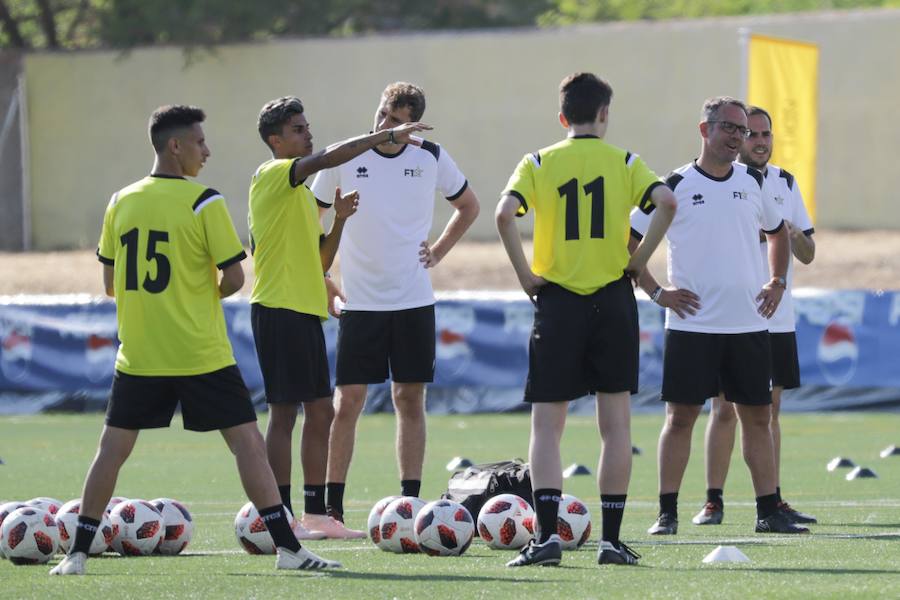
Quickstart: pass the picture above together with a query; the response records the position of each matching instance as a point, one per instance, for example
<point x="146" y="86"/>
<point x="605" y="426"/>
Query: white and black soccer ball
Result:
<point x="506" y="522"/>
<point x="252" y="533"/>
<point x="51" y="505"/>
<point x="178" y="524"/>
<point x="113" y="502"/>
<point x="67" y="523"/>
<point x="373" y="525"/>
<point x="398" y="525"/>
<point x="5" y="509"/>
<point x="573" y="522"/>
<point x="137" y="528"/>
<point x="29" y="536"/>
<point x="444" y="528"/>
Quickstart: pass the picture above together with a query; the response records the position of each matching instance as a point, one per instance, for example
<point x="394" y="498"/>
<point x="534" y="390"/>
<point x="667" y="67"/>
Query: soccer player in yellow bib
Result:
<point x="288" y="304"/>
<point x="164" y="239"/>
<point x="585" y="334"/>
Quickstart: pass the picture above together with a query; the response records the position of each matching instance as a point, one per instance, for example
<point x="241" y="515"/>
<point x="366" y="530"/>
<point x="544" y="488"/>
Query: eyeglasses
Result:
<point x="729" y="127"/>
<point x="760" y="134"/>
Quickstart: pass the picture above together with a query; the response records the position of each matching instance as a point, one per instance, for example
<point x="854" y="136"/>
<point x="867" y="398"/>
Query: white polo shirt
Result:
<point x="787" y="197"/>
<point x="714" y="246"/>
<point x="380" y="268"/>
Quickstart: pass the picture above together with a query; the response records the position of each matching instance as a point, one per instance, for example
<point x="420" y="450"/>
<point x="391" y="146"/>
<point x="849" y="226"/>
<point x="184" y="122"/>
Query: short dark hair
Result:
<point x="581" y="96"/>
<point x="758" y="110"/>
<point x="712" y="106"/>
<point x="402" y="94"/>
<point x="275" y="114"/>
<point x="166" y="120"/>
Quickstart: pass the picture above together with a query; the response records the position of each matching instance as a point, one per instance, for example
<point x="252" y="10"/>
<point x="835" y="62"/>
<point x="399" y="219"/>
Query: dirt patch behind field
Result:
<point x="844" y="260"/>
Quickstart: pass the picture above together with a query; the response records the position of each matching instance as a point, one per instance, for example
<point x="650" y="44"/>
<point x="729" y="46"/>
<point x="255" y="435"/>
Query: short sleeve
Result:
<point x="451" y="182"/>
<point x="770" y="218"/>
<point x="799" y="215"/>
<point x="106" y="249"/>
<point x="640" y="222"/>
<point x="521" y="182"/>
<point x="643" y="180"/>
<point x="222" y="240"/>
<point x="324" y="184"/>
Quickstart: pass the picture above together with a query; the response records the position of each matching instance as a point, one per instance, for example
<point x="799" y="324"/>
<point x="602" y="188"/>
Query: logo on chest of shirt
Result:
<point x="779" y="200"/>
<point x="362" y="172"/>
<point x="739" y="195"/>
<point x="417" y="172"/>
<point x="698" y="199"/>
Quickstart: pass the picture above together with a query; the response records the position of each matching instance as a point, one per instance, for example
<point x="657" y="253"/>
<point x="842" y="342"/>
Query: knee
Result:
<point x="409" y="402"/>
<point x="723" y="413"/>
<point x="681" y="421"/>
<point x="348" y="406"/>
<point x="282" y="418"/>
<point x="320" y="413"/>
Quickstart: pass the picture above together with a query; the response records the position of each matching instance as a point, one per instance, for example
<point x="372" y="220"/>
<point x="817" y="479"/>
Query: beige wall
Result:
<point x="492" y="98"/>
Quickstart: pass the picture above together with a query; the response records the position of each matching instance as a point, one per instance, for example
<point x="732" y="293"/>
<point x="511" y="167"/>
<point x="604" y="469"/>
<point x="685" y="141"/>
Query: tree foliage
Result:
<point x="79" y="24"/>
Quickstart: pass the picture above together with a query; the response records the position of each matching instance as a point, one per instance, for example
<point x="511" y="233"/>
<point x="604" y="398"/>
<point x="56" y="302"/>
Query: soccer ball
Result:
<point x="252" y="533"/>
<point x="51" y="505"/>
<point x="397" y="525"/>
<point x="506" y="522"/>
<point x="137" y="528"/>
<point x="179" y="526"/>
<point x="67" y="522"/>
<point x="444" y="528"/>
<point x="29" y="536"/>
<point x="5" y="509"/>
<point x="112" y="503"/>
<point x="374" y="523"/>
<point x="573" y="523"/>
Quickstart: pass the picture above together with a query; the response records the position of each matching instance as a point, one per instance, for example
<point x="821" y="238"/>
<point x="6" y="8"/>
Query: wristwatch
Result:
<point x="780" y="282"/>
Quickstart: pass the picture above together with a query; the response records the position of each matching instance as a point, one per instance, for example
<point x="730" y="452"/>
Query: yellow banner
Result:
<point x="783" y="79"/>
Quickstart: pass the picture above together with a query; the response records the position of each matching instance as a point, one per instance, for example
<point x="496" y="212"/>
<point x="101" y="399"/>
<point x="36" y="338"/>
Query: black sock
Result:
<point x="314" y="499"/>
<point x="334" y="497"/>
<point x="778" y="494"/>
<point x="410" y="487"/>
<point x="613" y="507"/>
<point x="285" y="491"/>
<point x="546" y="505"/>
<point x="275" y="520"/>
<point x="668" y="504"/>
<point x="766" y="506"/>
<point x="715" y="496"/>
<point x="84" y="534"/>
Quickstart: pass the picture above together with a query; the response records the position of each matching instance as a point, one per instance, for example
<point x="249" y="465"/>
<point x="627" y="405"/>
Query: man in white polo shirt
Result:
<point x="756" y="152"/>
<point x="387" y="325"/>
<point x="716" y="323"/>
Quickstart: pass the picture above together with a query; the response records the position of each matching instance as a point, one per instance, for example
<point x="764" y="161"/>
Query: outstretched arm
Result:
<point x="341" y="152"/>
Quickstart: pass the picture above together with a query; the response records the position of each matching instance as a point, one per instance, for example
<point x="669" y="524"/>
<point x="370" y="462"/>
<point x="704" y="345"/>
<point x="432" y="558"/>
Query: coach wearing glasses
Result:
<point x="717" y="336"/>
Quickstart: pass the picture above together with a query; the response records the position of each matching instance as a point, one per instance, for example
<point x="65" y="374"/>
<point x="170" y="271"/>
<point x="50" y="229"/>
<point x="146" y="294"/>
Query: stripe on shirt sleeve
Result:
<point x="460" y="192"/>
<point x="645" y="205"/>
<point x="234" y="259"/>
<point x="106" y="261"/>
<point x="208" y="195"/>
<point x="521" y="200"/>
<point x="776" y="230"/>
<point x="535" y="158"/>
<point x="809" y="232"/>
<point x="636" y="234"/>
<point x="294" y="183"/>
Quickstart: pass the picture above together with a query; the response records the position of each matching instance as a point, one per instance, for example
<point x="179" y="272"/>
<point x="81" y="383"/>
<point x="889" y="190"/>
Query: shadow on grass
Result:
<point x="798" y="571"/>
<point x="859" y="536"/>
<point x="340" y="574"/>
<point x="865" y="524"/>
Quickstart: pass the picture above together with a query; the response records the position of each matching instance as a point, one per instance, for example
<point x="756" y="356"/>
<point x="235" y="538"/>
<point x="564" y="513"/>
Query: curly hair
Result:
<point x="401" y="94"/>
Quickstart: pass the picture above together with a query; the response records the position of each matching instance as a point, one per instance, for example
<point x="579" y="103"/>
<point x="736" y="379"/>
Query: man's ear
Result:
<point x="173" y="145"/>
<point x="603" y="114"/>
<point x="563" y="121"/>
<point x="704" y="129"/>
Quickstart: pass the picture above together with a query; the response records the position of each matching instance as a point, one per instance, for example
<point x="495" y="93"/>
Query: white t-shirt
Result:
<point x="380" y="268"/>
<point x="714" y="246"/>
<point x="790" y="204"/>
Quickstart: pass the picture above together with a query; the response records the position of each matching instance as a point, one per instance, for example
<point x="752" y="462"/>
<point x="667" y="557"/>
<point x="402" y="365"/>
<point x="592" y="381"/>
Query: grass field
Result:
<point x="853" y="552"/>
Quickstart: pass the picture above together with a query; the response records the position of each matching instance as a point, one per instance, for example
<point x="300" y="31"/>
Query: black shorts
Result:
<point x="373" y="345"/>
<point x="697" y="366"/>
<point x="785" y="362"/>
<point x="583" y="344"/>
<point x="216" y="400"/>
<point x="290" y="347"/>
